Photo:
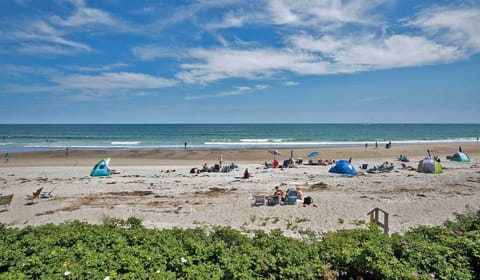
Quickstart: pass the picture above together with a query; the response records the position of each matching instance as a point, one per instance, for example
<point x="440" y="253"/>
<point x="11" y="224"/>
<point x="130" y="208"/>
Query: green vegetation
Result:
<point x="124" y="249"/>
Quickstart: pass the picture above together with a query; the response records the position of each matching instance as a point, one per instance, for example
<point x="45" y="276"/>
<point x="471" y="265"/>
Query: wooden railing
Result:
<point x="375" y="218"/>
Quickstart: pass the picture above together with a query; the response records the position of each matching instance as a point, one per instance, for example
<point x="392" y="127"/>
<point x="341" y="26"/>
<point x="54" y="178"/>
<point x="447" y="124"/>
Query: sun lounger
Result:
<point x="31" y="198"/>
<point x="259" y="200"/>
<point x="5" y="201"/>
<point x="292" y="197"/>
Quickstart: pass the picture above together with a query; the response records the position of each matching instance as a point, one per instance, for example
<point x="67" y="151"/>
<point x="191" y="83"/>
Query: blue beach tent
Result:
<point x="343" y="167"/>
<point x="460" y="156"/>
<point x="101" y="168"/>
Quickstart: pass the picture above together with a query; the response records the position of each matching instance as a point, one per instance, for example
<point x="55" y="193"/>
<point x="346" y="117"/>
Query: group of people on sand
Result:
<point x="214" y="168"/>
<point x="283" y="194"/>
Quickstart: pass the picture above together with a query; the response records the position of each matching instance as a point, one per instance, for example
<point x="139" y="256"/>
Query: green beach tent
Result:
<point x="429" y="165"/>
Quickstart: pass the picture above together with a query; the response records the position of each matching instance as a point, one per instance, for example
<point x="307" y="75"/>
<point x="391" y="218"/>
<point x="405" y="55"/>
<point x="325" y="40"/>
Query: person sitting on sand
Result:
<point x="280" y="192"/>
<point x="205" y="168"/>
<point x="246" y="175"/>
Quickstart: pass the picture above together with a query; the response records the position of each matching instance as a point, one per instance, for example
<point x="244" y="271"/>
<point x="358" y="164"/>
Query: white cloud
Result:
<point x="42" y="49"/>
<point x="87" y="87"/>
<point x="85" y="16"/>
<point x="152" y="52"/>
<point x="229" y="20"/>
<point x="261" y="86"/>
<point x="374" y="99"/>
<point x="243" y="88"/>
<point x="113" y="81"/>
<point x="311" y="57"/>
<point x="239" y="90"/>
<point x="396" y="51"/>
<point x="324" y="15"/>
<point x="290" y="83"/>
<point x="281" y="13"/>
<point x="326" y="44"/>
<point x="42" y="32"/>
<point x="215" y="64"/>
<point x="453" y="26"/>
<point x="102" y="68"/>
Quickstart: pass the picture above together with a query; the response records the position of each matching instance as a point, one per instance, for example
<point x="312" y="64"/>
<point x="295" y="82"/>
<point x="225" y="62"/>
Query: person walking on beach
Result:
<point x="376" y="144"/>
<point x="66" y="152"/>
<point x="7" y="157"/>
<point x="185" y="145"/>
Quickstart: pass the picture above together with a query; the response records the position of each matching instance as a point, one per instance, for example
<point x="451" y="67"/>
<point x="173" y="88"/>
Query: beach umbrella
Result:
<point x="274" y="153"/>
<point x="313" y="154"/>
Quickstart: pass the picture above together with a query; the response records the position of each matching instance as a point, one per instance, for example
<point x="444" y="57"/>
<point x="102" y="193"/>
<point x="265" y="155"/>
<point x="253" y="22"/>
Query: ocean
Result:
<point x="42" y="137"/>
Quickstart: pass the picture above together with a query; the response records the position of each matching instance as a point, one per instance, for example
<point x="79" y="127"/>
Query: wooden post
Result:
<point x="375" y="218"/>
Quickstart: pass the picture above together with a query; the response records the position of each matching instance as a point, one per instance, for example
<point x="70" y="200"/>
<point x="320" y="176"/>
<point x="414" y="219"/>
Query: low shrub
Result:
<point x="124" y="249"/>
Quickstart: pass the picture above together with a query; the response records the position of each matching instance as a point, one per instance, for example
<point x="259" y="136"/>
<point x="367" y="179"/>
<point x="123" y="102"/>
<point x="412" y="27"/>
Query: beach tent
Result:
<point x="101" y="168"/>
<point x="343" y="167"/>
<point x="460" y="156"/>
<point x="429" y="165"/>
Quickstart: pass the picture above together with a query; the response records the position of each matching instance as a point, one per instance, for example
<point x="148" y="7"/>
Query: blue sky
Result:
<point x="209" y="61"/>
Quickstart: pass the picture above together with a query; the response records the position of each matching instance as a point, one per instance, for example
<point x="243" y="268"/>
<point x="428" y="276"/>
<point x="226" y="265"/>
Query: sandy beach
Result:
<point x="157" y="186"/>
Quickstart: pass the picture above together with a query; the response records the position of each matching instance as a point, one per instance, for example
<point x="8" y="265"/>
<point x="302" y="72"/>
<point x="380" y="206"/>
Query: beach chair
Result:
<point x="273" y="200"/>
<point x="5" y="201"/>
<point x="292" y="197"/>
<point x="31" y="198"/>
<point x="259" y="200"/>
<point x="45" y="195"/>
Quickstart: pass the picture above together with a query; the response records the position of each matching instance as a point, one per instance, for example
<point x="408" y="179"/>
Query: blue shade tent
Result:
<point x="460" y="156"/>
<point x="101" y="168"/>
<point x="343" y="167"/>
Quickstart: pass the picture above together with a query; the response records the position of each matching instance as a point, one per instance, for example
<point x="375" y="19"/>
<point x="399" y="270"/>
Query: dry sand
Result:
<point x="157" y="187"/>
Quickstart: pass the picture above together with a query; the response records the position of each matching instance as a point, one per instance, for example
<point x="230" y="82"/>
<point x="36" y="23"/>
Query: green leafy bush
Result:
<point x="124" y="249"/>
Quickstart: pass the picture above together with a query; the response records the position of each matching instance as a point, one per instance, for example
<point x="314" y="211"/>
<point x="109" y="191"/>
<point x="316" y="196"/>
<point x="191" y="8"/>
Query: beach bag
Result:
<point x="308" y="200"/>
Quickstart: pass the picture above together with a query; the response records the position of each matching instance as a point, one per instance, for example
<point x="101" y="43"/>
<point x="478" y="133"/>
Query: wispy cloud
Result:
<point x="113" y="81"/>
<point x="85" y="16"/>
<point x="289" y="83"/>
<point x="331" y="51"/>
<point x="222" y="63"/>
<point x="228" y="21"/>
<point x="341" y="56"/>
<point x="454" y="26"/>
<point x="153" y="52"/>
<point x="374" y="99"/>
<point x="95" y="86"/>
<point x="326" y="15"/>
<point x="239" y="90"/>
<point x="47" y="38"/>
<point x="103" y="68"/>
